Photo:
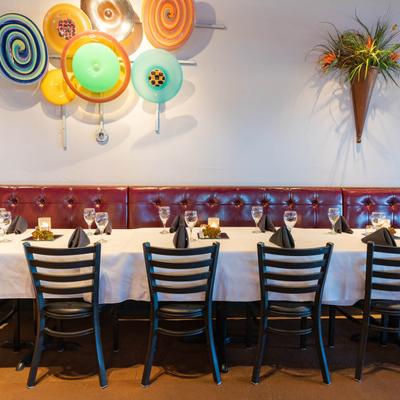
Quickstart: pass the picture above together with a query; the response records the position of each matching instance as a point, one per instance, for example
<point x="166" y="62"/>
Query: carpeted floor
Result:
<point x="182" y="371"/>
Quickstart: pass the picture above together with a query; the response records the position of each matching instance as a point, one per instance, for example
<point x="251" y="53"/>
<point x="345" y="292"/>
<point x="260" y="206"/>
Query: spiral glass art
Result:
<point x="23" y="51"/>
<point x="168" y="24"/>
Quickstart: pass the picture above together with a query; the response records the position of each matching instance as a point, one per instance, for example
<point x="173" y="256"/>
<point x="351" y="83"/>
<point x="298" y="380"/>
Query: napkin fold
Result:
<point x="181" y="237"/>
<point x="283" y="238"/>
<point x="266" y="224"/>
<point x="381" y="237"/>
<point x="78" y="238"/>
<point x="18" y="225"/>
<point x="342" y="225"/>
<point x="176" y="222"/>
<point x="107" y="230"/>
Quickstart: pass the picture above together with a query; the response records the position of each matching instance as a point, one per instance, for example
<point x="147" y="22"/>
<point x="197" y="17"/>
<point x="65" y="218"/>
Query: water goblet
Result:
<point x="377" y="219"/>
<point x="5" y="222"/>
<point x="333" y="215"/>
<point x="164" y="213"/>
<point x="191" y="219"/>
<point x="290" y="219"/>
<point x="89" y="215"/>
<point x="101" y="219"/>
<point x="257" y="213"/>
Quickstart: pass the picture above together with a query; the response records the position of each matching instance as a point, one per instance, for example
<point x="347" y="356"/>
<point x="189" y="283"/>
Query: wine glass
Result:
<point x="164" y="213"/>
<point x="191" y="219"/>
<point x="333" y="215"/>
<point x="101" y="219"/>
<point x="89" y="216"/>
<point x="5" y="222"/>
<point x="377" y="219"/>
<point x="290" y="218"/>
<point x="257" y="213"/>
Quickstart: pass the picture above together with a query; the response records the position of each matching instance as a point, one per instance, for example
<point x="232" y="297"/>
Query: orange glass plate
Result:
<point x="168" y="24"/>
<point x="61" y="23"/>
<point x="95" y="37"/>
<point x="55" y="90"/>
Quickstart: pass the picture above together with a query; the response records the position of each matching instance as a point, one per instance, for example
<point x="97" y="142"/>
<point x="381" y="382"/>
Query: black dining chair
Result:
<point x="292" y="272"/>
<point x="180" y="272"/>
<point x="58" y="272"/>
<point x="382" y="279"/>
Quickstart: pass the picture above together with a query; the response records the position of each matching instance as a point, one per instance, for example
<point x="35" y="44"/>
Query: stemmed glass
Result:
<point x="290" y="219"/>
<point x="257" y="213"/>
<point x="191" y="219"/>
<point x="333" y="215"/>
<point x="101" y="219"/>
<point x="89" y="215"/>
<point x="164" y="213"/>
<point x="377" y="219"/>
<point x="5" y="222"/>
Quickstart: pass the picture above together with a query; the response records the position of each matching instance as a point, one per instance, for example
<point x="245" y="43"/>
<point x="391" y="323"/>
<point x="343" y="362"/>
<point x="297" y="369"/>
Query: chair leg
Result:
<point x="331" y="326"/>
<point x="115" y="327"/>
<point x="261" y="344"/>
<point x="248" y="325"/>
<point x="151" y="350"/>
<point x="362" y="347"/>
<point x="384" y="335"/>
<point x="319" y="344"/>
<point x="17" y="326"/>
<point x="60" y="341"/>
<point x="99" y="351"/>
<point x="221" y="337"/>
<point x="37" y="353"/>
<point x="303" y="338"/>
<point x="211" y="349"/>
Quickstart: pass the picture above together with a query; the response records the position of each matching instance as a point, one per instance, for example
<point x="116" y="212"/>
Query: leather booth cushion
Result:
<point x="233" y="204"/>
<point x="359" y="203"/>
<point x="65" y="204"/>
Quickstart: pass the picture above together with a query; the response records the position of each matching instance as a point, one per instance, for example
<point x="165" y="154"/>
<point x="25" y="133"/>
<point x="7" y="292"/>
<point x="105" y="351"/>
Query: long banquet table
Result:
<point x="123" y="274"/>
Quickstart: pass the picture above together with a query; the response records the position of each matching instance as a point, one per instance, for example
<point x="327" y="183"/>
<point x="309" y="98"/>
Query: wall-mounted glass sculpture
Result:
<point x="56" y="91"/>
<point x="61" y="23"/>
<point x="157" y="76"/>
<point x="23" y="51"/>
<point x="83" y="73"/>
<point x="168" y="24"/>
<point x="115" y="17"/>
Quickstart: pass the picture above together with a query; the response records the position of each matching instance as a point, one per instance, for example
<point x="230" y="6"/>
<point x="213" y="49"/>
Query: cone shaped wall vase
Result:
<point x="361" y="91"/>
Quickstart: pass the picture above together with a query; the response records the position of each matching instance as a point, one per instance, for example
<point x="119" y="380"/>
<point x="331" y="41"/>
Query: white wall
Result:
<point x="254" y="111"/>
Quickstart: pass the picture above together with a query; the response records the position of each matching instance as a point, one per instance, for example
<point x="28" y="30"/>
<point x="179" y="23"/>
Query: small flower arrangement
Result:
<point x="353" y="52"/>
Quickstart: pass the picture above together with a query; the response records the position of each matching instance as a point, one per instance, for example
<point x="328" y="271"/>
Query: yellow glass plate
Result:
<point x="55" y="90"/>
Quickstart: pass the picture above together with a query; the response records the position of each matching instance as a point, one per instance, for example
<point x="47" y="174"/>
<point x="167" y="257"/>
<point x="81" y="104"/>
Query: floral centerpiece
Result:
<point x="360" y="55"/>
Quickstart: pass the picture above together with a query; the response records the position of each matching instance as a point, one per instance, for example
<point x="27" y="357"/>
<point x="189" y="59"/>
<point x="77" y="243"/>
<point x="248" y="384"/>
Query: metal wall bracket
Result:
<point x="63" y="126"/>
<point x="102" y="137"/>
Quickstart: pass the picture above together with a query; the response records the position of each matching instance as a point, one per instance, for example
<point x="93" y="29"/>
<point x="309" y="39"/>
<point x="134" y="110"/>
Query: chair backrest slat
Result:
<point x="382" y="274"/>
<point x="80" y="271"/>
<point x="293" y="271"/>
<point x="188" y="268"/>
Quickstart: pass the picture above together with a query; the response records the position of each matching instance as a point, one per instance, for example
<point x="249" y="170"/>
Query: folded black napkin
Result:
<point x="177" y="221"/>
<point x="342" y="226"/>
<point x="381" y="237"/>
<point x="283" y="238"/>
<point x="266" y="224"/>
<point x="78" y="238"/>
<point x="107" y="230"/>
<point x="181" y="237"/>
<point x="18" y="225"/>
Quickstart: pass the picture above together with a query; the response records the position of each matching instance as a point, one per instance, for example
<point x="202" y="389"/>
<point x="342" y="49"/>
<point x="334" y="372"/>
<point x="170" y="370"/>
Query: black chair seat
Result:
<point x="291" y="308"/>
<point x="384" y="306"/>
<point x="178" y="310"/>
<point x="68" y="309"/>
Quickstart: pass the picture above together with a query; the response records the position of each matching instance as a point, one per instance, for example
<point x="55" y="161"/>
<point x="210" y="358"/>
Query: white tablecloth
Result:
<point x="123" y="274"/>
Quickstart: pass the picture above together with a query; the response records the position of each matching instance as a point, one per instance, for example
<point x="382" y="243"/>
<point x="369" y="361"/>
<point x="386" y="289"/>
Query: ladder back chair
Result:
<point x="292" y="272"/>
<point x="58" y="272"/>
<point x="382" y="281"/>
<point x="185" y="272"/>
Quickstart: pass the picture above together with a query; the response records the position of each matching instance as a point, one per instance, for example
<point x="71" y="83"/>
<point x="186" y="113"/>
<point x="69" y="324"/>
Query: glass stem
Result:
<point x="191" y="233"/>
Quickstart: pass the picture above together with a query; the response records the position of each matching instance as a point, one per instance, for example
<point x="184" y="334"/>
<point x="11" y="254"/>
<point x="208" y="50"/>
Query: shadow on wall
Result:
<point x="14" y="97"/>
<point x="200" y="37"/>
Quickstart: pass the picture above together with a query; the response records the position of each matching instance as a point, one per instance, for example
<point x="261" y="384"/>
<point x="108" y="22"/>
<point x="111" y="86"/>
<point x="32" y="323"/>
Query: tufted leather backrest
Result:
<point x="233" y="204"/>
<point x="359" y="203"/>
<point x="65" y="204"/>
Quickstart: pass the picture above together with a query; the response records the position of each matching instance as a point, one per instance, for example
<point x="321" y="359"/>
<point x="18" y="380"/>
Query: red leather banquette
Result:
<point x="133" y="207"/>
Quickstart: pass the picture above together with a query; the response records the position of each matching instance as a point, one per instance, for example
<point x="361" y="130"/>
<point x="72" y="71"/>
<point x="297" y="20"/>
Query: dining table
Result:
<point x="123" y="274"/>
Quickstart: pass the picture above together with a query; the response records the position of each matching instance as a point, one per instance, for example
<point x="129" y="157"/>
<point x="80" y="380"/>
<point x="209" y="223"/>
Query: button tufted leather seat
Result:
<point x="65" y="204"/>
